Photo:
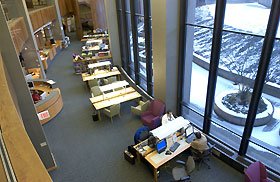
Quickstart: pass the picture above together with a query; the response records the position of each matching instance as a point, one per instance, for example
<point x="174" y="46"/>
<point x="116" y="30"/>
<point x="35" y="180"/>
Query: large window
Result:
<point x="134" y="19"/>
<point x="228" y="92"/>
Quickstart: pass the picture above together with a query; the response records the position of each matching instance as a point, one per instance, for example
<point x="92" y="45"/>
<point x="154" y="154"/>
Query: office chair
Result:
<point x="256" y="172"/>
<point x="95" y="91"/>
<point x="143" y="106"/>
<point x="112" y="79"/>
<point x="92" y="83"/>
<point x="112" y="111"/>
<point x="204" y="156"/>
<point x="179" y="172"/>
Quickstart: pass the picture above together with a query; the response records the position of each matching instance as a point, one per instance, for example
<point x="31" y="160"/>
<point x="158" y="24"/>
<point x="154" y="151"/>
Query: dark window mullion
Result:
<point x="126" y="36"/>
<point x="148" y="43"/>
<point x="214" y="63"/>
<point x="120" y="29"/>
<point x="267" y="49"/>
<point x="133" y="7"/>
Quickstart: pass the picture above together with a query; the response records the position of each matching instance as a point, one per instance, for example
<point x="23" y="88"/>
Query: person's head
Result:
<point x="36" y="92"/>
<point x="197" y="135"/>
<point x="169" y="113"/>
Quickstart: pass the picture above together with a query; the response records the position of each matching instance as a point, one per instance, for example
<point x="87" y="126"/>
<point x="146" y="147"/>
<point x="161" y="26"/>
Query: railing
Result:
<point x="10" y="175"/>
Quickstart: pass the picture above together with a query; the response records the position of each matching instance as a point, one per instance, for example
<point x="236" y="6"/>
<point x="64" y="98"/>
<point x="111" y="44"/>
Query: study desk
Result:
<point x="156" y="159"/>
<point x="101" y="74"/>
<point x="113" y="86"/>
<point x="100" y="64"/>
<point x="114" y="98"/>
<point x="164" y="132"/>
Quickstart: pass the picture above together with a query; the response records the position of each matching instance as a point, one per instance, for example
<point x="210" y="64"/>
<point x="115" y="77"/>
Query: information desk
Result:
<point x="101" y="74"/>
<point x="113" y="98"/>
<point x="52" y="103"/>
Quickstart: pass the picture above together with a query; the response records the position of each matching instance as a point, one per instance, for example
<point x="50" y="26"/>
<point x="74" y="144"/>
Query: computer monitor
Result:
<point x="189" y="130"/>
<point x="161" y="146"/>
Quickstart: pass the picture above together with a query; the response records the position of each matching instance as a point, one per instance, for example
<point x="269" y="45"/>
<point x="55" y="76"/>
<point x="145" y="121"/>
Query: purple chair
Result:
<point x="256" y="172"/>
<point x="151" y="117"/>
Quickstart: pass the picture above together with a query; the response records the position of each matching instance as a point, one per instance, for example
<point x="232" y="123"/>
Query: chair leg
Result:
<point x="119" y="116"/>
<point x="111" y="120"/>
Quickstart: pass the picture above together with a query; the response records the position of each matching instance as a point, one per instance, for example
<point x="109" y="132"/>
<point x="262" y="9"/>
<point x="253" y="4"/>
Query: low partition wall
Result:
<point x="42" y="16"/>
<point x="18" y="31"/>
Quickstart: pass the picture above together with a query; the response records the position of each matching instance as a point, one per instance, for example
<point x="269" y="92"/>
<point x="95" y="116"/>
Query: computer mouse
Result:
<point x="168" y="152"/>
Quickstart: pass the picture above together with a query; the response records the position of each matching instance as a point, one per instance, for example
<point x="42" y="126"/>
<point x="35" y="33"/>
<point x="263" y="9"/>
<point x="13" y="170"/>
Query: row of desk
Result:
<point x="114" y="95"/>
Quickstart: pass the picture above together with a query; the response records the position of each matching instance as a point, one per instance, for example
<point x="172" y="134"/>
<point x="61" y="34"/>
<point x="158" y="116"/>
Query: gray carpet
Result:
<point x="93" y="151"/>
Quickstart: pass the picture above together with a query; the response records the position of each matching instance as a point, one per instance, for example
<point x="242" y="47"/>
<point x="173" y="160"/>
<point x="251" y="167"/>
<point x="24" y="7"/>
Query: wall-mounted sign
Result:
<point x="43" y="115"/>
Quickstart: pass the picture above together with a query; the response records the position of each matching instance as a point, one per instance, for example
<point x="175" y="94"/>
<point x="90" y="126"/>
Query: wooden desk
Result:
<point x="115" y="100"/>
<point x="113" y="86"/>
<point x="98" y="75"/>
<point x="156" y="159"/>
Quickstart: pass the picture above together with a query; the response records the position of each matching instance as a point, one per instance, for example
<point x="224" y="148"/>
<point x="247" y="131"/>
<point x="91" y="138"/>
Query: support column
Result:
<point x="56" y="27"/>
<point x="112" y="24"/>
<point x="25" y="103"/>
<point x="78" y="24"/>
<point x="30" y="51"/>
<point x="165" y="38"/>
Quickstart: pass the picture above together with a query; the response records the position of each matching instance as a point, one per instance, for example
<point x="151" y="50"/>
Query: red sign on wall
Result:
<point x="43" y="115"/>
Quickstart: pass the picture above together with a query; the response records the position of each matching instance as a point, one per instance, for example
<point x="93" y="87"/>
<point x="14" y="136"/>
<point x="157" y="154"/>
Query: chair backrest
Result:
<point x="115" y="109"/>
<point x="255" y="172"/>
<point x="96" y="91"/>
<point x="92" y="83"/>
<point x="112" y="79"/>
<point x="157" y="107"/>
<point x="145" y="106"/>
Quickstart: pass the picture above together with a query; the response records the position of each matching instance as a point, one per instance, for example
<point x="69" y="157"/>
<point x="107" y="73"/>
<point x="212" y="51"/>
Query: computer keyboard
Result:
<point x="174" y="146"/>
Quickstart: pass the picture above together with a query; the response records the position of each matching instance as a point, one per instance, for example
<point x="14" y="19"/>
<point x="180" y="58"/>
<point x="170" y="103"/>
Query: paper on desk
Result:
<point x="51" y="82"/>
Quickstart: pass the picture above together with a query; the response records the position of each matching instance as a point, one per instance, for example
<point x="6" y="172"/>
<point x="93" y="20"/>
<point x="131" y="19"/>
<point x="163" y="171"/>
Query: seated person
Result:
<point x="36" y="96"/>
<point x="167" y="117"/>
<point x="199" y="144"/>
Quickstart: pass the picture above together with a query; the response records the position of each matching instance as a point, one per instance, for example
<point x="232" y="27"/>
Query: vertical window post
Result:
<point x="267" y="48"/>
<point x="148" y="45"/>
<point x="134" y="26"/>
<point x="214" y="63"/>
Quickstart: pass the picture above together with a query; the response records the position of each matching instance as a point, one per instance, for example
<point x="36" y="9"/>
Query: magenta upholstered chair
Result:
<point x="256" y="172"/>
<point x="151" y="117"/>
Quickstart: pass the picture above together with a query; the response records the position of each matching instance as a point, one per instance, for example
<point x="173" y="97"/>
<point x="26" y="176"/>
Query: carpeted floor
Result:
<point x="88" y="151"/>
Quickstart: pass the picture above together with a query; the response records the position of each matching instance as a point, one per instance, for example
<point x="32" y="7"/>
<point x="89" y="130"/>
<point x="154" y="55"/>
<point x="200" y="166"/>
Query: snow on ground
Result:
<point x="249" y="17"/>
<point x="253" y="18"/>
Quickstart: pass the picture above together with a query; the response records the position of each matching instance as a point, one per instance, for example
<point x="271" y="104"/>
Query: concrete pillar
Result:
<point x="57" y="26"/>
<point x="165" y="40"/>
<point x="78" y="24"/>
<point x="30" y="51"/>
<point x="112" y="24"/>
<point x="25" y="103"/>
